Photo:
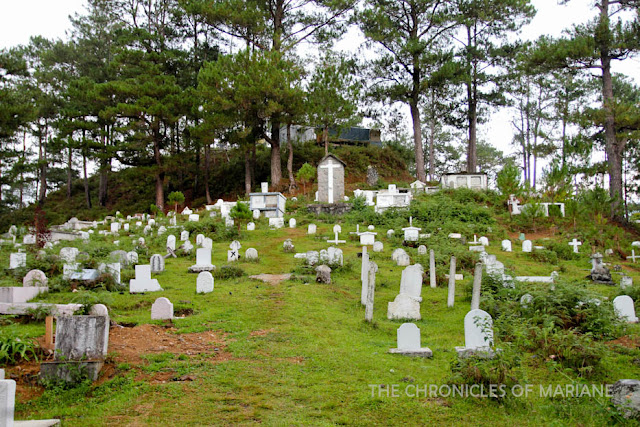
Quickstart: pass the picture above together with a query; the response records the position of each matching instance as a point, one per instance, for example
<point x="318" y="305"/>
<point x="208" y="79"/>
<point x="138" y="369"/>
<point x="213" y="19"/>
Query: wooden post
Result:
<point x="48" y="333"/>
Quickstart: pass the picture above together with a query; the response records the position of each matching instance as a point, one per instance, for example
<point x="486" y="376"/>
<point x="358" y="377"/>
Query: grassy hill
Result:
<point x="298" y="352"/>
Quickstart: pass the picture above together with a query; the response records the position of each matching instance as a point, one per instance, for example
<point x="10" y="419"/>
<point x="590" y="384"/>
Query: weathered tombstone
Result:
<point x="599" y="273"/>
<point x="203" y="261"/>
<point x="141" y="242"/>
<point x="229" y="222"/>
<point x="526" y="300"/>
<point x="194" y="218"/>
<point x="432" y="269"/>
<point x="484" y="241"/>
<point x="119" y="256"/>
<point x="187" y="247"/>
<point x="233" y="255"/>
<point x="199" y="239"/>
<point x="364" y="275"/>
<point x="477" y="284"/>
<point x="115" y="227"/>
<point x="506" y="245"/>
<point x="162" y="309"/>
<point x="404" y="307"/>
<point x="17" y="260"/>
<point x="411" y="281"/>
<point x="371" y="289"/>
<point x="337" y="228"/>
<point x="311" y="229"/>
<point x="626" y="282"/>
<point x="288" y="246"/>
<point x="171" y="242"/>
<point x="323" y="274"/>
<point x="147" y="229"/>
<point x="7" y="402"/>
<point x="452" y="283"/>
<point x="204" y="283"/>
<point x="143" y="281"/>
<point x="372" y="176"/>
<point x="527" y="246"/>
<point x="625" y="309"/>
<point x="396" y="254"/>
<point x="324" y="257"/>
<point x="187" y="211"/>
<point x="478" y="335"/>
<point x="312" y="257"/>
<point x="69" y="254"/>
<point x="276" y="223"/>
<point x="184" y="236"/>
<point x="157" y="263"/>
<point x="251" y="226"/>
<point x="330" y="179"/>
<point x="422" y="250"/>
<point x="161" y="230"/>
<point x="132" y="257"/>
<point x="35" y="278"/>
<point x="409" y="342"/>
<point x="335" y="257"/>
<point x="371" y="228"/>
<point x="292" y="223"/>
<point x="625" y="396"/>
<point x="251" y="254"/>
<point x="403" y="260"/>
<point x="378" y="247"/>
<point x="126" y="227"/>
<point x="29" y="239"/>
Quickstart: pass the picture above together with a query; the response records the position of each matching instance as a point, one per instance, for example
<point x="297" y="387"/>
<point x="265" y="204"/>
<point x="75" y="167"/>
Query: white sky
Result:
<point x="22" y="19"/>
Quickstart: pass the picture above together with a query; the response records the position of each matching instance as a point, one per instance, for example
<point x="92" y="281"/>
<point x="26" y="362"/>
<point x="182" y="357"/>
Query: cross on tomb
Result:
<point x="336" y="241"/>
<point x="330" y="166"/>
<point x="633" y="256"/>
<point x="475" y="239"/>
<point x="410" y="221"/>
<point x="575" y="243"/>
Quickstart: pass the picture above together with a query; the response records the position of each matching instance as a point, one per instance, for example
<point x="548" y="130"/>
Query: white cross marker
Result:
<point x="330" y="166"/>
<point x="336" y="241"/>
<point x="475" y="239"/>
<point x="575" y="245"/>
<point x="633" y="256"/>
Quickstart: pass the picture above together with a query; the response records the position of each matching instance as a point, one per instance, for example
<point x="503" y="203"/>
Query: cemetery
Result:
<point x="122" y="314"/>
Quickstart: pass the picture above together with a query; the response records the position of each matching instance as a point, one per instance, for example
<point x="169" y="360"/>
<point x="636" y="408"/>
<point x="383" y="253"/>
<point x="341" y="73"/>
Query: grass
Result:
<point x="315" y="359"/>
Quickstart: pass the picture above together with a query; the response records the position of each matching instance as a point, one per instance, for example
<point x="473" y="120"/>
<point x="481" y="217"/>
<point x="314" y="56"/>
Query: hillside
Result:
<point x="131" y="190"/>
<point x="292" y="351"/>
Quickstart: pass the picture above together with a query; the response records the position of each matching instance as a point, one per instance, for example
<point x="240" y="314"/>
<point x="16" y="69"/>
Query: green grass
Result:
<point x="317" y="363"/>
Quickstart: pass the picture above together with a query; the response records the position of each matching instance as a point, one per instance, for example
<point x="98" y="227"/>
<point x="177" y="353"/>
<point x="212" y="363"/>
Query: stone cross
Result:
<point x="330" y="166"/>
<point x="575" y="243"/>
<point x="336" y="241"/>
<point x="633" y="256"/>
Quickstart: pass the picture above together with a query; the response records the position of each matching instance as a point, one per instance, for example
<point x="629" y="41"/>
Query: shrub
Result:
<point x="228" y="272"/>
<point x="544" y="255"/>
<point x="14" y="349"/>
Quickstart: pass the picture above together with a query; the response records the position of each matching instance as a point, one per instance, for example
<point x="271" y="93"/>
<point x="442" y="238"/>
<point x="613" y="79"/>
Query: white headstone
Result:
<point x="292" y="223"/>
<point x="403" y="260"/>
<point x="422" y="250"/>
<point x="143" y="281"/>
<point x="233" y="255"/>
<point x="115" y="227"/>
<point x="506" y="245"/>
<point x="256" y="214"/>
<point x="69" y="254"/>
<point x="337" y="228"/>
<point x="157" y="263"/>
<point x="161" y="230"/>
<point x="171" y="242"/>
<point x="478" y="330"/>
<point x="526" y="246"/>
<point x="132" y="257"/>
<point x="126" y="227"/>
<point x="251" y="253"/>
<point x="378" y="247"/>
<point x="18" y="260"/>
<point x="35" y="278"/>
<point x="311" y="229"/>
<point x="204" y="283"/>
<point x="203" y="257"/>
<point x="162" y="309"/>
<point x="626" y="282"/>
<point x="390" y="233"/>
<point x="408" y="337"/>
<point x="367" y="238"/>
<point x="404" y="307"/>
<point x="411" y="281"/>
<point x="207" y="243"/>
<point x="194" y="218"/>
<point x="184" y="236"/>
<point x="29" y="239"/>
<point x="484" y="241"/>
<point x="276" y="222"/>
<point x="625" y="309"/>
<point x="7" y="402"/>
<point x="264" y="187"/>
<point x="199" y="239"/>
<point x="575" y="243"/>
<point x="251" y="226"/>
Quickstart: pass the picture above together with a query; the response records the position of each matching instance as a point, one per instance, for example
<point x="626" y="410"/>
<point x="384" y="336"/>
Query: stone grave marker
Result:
<point x="408" y="335"/>
<point x="143" y="281"/>
<point x="162" y="309"/>
<point x="378" y="247"/>
<point x="526" y="246"/>
<point x="171" y="242"/>
<point x="17" y="260"/>
<point x="626" y="282"/>
<point x="323" y="274"/>
<point x="199" y="239"/>
<point x="207" y="243"/>
<point x="625" y="308"/>
<point x="422" y="250"/>
<point x="292" y="223"/>
<point x="69" y="254"/>
<point x="251" y="254"/>
<point x="478" y="335"/>
<point x="161" y="230"/>
<point x="157" y="263"/>
<point x="35" y="278"/>
<point x="506" y="245"/>
<point x="311" y="229"/>
<point x="184" y="236"/>
<point x="251" y="226"/>
<point x="204" y="283"/>
<point x="390" y="233"/>
<point x="484" y="241"/>
<point x="367" y="238"/>
<point x="575" y="243"/>
<point x="132" y="257"/>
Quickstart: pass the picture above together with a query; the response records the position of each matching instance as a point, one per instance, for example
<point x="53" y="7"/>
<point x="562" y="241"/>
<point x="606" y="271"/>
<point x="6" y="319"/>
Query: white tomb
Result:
<point x="409" y="342"/>
<point x="478" y="335"/>
<point x="625" y="308"/>
<point x="162" y="309"/>
<point x="143" y="281"/>
<point x="204" y="283"/>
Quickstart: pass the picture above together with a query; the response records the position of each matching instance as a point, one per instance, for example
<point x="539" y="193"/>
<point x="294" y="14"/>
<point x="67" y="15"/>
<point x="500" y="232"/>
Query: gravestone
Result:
<point x="626" y="282"/>
<point x="251" y="254"/>
<point x="112" y="269"/>
<point x="171" y="242"/>
<point x="203" y="261"/>
<point x="187" y="247"/>
<point x="372" y="176"/>
<point x="408" y="335"/>
<point x="575" y="243"/>
<point x="7" y="402"/>
<point x="115" y="227"/>
<point x="204" y="283"/>
<point x="367" y="238"/>
<point x="422" y="250"/>
<point x="599" y="273"/>
<point x="411" y="281"/>
<point x="69" y="254"/>
<point x="452" y="282"/>
<point x="151" y="222"/>
<point x="119" y="256"/>
<point x="207" y="243"/>
<point x="288" y="246"/>
<point x="276" y="223"/>
<point x="184" y="236"/>
<point x="432" y="269"/>
<point x="364" y="274"/>
<point x="371" y="290"/>
<point x="337" y="228"/>
<point x="478" y="335"/>
<point x="378" y="247"/>
<point x="311" y="229"/>
<point x="396" y="254"/>
<point x="335" y="257"/>
<point x="162" y="309"/>
<point x="256" y="214"/>
<point x="324" y="257"/>
<point x="17" y="260"/>
<point x="403" y="260"/>
<point x="126" y="227"/>
<point x="251" y="226"/>
<point x="161" y="230"/>
<point x="141" y="242"/>
<point x="526" y="246"/>
<point x="35" y="278"/>
<point x="157" y="263"/>
<point x="323" y="274"/>
<point x="390" y="233"/>
<point x="526" y="300"/>
<point x="484" y="241"/>
<point x="292" y="223"/>
<point x="330" y="179"/>
<point x="312" y="257"/>
<point x="29" y="239"/>
<point x="477" y="287"/>
<point x="625" y="396"/>
<point x="199" y="239"/>
<point x="625" y="309"/>
<point x="506" y="245"/>
<point x="147" y="229"/>
<point x="143" y="281"/>
<point x="228" y="222"/>
<point x="404" y="307"/>
<point x="132" y="257"/>
<point x="233" y="255"/>
<point x="194" y="218"/>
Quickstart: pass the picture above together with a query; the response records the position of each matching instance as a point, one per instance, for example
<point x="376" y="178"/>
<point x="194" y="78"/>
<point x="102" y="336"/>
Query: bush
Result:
<point x="545" y="255"/>
<point x="228" y="272"/>
<point x="14" y="349"/>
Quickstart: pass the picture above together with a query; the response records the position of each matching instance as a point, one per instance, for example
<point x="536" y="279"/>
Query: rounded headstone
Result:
<point x="251" y="253"/>
<point x="35" y="278"/>
<point x="99" y="310"/>
<point x="323" y="274"/>
<point x="204" y="283"/>
<point x="378" y="247"/>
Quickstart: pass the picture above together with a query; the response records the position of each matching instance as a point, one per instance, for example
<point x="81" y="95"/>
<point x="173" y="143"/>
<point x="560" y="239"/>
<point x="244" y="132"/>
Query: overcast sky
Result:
<point x="22" y="19"/>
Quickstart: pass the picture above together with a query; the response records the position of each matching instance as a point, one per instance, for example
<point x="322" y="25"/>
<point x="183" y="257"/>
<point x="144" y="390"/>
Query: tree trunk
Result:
<point x="104" y="171"/>
<point x="417" y="141"/>
<point x="325" y="139"/>
<point x="276" y="168"/>
<point x="472" y="100"/>
<point x="247" y="172"/>
<point x="159" y="169"/>
<point x="69" y="171"/>
<point x="43" y="163"/>
<point x="292" y="181"/>
<point x="207" y="192"/>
